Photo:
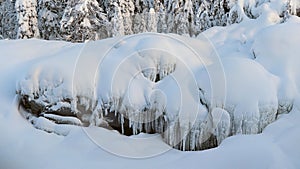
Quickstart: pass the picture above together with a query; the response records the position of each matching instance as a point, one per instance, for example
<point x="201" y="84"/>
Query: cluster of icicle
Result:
<point x="48" y="112"/>
<point x="199" y="135"/>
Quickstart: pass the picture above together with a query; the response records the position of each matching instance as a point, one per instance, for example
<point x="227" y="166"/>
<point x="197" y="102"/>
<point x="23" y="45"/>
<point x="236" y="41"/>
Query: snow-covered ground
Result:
<point x="248" y="72"/>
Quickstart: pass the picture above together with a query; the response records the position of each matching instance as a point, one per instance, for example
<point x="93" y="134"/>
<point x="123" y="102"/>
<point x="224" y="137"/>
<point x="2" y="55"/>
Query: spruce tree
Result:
<point x="27" y="26"/>
<point x="151" y="21"/>
<point x="127" y="10"/>
<point x="49" y="15"/>
<point x="161" y="19"/>
<point x="117" y="25"/>
<point x="8" y="19"/>
<point x="139" y="23"/>
<point x="83" y="20"/>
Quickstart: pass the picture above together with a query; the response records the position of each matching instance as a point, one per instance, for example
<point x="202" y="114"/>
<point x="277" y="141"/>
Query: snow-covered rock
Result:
<point x="157" y="83"/>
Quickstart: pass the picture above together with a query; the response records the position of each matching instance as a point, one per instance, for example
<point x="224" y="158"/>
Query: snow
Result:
<point x="62" y="119"/>
<point x="245" y="72"/>
<point x="275" y="148"/>
<point x="284" y="62"/>
<point x="221" y="124"/>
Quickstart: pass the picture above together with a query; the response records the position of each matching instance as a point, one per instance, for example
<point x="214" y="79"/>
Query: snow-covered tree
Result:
<point x="211" y="14"/>
<point x="27" y="19"/>
<point x="236" y="13"/>
<point x="8" y="19"/>
<point x="197" y="23"/>
<point x="170" y="22"/>
<point x="173" y="9"/>
<point x="151" y="21"/>
<point x="83" y="20"/>
<point x="80" y="20"/>
<point x="1" y="16"/>
<point x="182" y="23"/>
<point x="220" y="12"/>
<point x="139" y="23"/>
<point x="49" y="15"/>
<point x="127" y="9"/>
<point x="117" y="22"/>
<point x="161" y="19"/>
<point x="292" y="7"/>
<point x="295" y="7"/>
<point x="184" y="18"/>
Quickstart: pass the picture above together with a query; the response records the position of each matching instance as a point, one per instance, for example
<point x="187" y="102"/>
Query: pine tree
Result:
<point x="184" y="18"/>
<point x="181" y="22"/>
<point x="161" y="19"/>
<point x="290" y="8"/>
<point x="173" y="10"/>
<point x="236" y="13"/>
<point x="139" y="23"/>
<point x="83" y="20"/>
<point x="197" y="25"/>
<point x="27" y="19"/>
<point x="49" y="15"/>
<point x="8" y="19"/>
<point x="80" y="20"/>
<point x="170" y="22"/>
<point x="127" y="10"/>
<point x="117" y="22"/>
<point x="151" y="21"/>
<point x="1" y="17"/>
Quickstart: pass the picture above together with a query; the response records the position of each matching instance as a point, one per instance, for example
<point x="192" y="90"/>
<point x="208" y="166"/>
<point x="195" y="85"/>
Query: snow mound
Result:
<point x="270" y="51"/>
<point x="151" y="83"/>
<point x="138" y="83"/>
<point x="251" y="95"/>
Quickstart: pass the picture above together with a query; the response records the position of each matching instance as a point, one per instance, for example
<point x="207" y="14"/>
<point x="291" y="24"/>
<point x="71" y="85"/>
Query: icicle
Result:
<point x="73" y="106"/>
<point x="105" y="112"/>
<point x="267" y="115"/>
<point x="129" y="122"/>
<point x="134" y="128"/>
<point x="122" y="123"/>
<point x="183" y="144"/>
